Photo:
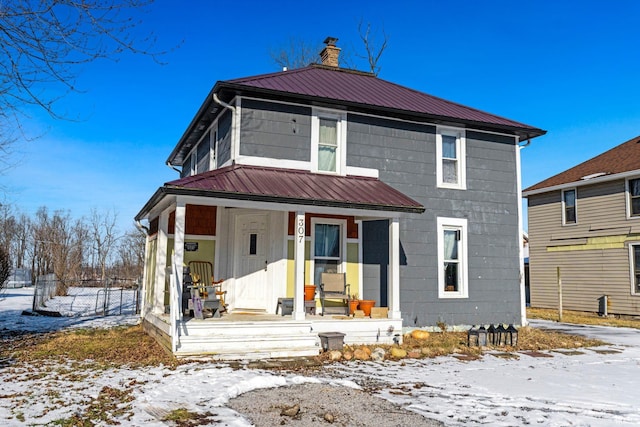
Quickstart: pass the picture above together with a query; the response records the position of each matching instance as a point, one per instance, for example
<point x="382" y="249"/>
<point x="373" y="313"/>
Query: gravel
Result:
<point x="323" y="404"/>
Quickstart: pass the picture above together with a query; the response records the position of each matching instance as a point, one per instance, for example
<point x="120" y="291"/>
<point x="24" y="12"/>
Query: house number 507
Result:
<point x="300" y="230"/>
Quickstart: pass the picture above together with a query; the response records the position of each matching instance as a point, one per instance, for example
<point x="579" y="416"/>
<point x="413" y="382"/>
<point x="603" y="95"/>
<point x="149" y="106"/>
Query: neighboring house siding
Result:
<point x="274" y="130"/>
<point x="593" y="254"/>
<point x="224" y="138"/>
<point x="404" y="153"/>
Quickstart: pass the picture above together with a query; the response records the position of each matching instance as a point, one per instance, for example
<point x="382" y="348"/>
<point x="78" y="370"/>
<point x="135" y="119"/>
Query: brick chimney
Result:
<point x="330" y="53"/>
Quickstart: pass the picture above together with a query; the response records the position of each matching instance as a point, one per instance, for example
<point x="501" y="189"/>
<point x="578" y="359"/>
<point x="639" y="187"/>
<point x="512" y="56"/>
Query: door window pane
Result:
<point x="327" y="242"/>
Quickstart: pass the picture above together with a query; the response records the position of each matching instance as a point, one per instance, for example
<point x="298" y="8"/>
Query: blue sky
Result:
<point x="568" y="67"/>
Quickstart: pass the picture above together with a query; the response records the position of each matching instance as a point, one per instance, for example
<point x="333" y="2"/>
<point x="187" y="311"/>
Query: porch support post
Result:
<point x="394" y="269"/>
<point x="298" y="260"/>
<point x="142" y="296"/>
<point x="161" y="263"/>
<point x="178" y="260"/>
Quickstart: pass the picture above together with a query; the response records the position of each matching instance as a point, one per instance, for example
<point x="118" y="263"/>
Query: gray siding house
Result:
<point x="324" y="169"/>
<point x="586" y="222"/>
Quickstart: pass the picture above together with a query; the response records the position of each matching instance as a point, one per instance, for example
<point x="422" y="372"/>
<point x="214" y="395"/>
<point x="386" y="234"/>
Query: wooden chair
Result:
<point x="334" y="286"/>
<point x="208" y="288"/>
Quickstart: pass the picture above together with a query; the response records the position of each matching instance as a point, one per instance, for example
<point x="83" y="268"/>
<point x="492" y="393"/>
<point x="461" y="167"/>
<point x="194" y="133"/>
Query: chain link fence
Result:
<point x="113" y="296"/>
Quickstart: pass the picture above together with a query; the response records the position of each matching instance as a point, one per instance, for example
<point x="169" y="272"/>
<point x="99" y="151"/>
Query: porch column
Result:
<point x="298" y="261"/>
<point x="394" y="269"/>
<point x="161" y="263"/>
<point x="178" y="260"/>
<point x="145" y="277"/>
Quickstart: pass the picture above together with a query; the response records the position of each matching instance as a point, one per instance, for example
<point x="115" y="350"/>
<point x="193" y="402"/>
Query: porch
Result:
<point x="264" y="336"/>
<point x="264" y="248"/>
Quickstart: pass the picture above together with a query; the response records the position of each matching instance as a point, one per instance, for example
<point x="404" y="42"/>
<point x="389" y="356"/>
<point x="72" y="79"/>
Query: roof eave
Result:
<point x="181" y="191"/>
<point x="524" y="133"/>
<point x="582" y="182"/>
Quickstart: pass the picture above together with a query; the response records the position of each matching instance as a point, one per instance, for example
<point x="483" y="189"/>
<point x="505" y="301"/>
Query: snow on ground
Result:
<point x="597" y="387"/>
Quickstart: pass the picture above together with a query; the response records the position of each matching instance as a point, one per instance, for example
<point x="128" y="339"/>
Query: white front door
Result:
<point x="251" y="261"/>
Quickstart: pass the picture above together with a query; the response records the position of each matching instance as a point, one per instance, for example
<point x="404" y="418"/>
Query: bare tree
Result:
<point x="103" y="237"/>
<point x="58" y="247"/>
<point x="5" y="267"/>
<point x="43" y="43"/>
<point x="372" y="49"/>
<point x="131" y="254"/>
<point x="298" y="53"/>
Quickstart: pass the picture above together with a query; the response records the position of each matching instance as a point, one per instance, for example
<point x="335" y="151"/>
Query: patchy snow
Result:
<point x="597" y="387"/>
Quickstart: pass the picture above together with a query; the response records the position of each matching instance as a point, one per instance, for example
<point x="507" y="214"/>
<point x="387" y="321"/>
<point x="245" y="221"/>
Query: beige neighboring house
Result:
<point x="586" y="222"/>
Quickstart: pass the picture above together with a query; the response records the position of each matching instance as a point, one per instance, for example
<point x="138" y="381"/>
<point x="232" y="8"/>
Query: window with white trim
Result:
<point x="634" y="263"/>
<point x="328" y="246"/>
<point x="452" y="258"/>
<point x="451" y="158"/>
<point x="633" y="191"/>
<point x="569" y="203"/>
<point x="328" y="136"/>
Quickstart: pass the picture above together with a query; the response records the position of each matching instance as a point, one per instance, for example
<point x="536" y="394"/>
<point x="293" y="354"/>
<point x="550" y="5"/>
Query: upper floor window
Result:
<point x="203" y="154"/>
<point x="452" y="258"/>
<point x="634" y="197"/>
<point x="328" y="136"/>
<point x="569" y="207"/>
<point x="328" y="145"/>
<point x="451" y="158"/>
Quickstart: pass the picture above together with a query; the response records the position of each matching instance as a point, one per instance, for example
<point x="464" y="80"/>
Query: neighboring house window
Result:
<point x="328" y="135"/>
<point x="328" y="242"/>
<point x="634" y="197"/>
<point x="634" y="262"/>
<point x="451" y="158"/>
<point x="452" y="258"/>
<point x="569" y="206"/>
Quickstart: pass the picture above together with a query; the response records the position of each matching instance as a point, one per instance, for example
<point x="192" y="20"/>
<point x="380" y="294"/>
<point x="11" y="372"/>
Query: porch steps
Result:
<point x="229" y="340"/>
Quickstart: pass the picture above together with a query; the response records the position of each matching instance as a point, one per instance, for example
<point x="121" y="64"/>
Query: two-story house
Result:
<point x="287" y="175"/>
<point x="584" y="234"/>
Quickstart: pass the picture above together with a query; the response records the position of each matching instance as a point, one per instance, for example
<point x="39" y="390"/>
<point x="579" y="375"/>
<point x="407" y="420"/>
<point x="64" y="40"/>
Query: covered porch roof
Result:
<point x="287" y="186"/>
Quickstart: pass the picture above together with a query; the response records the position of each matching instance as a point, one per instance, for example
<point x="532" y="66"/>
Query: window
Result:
<point x="327" y="245"/>
<point x="328" y="133"/>
<point x="328" y="145"/>
<point x="634" y="262"/>
<point x="633" y="187"/>
<point x="569" y="207"/>
<point x="452" y="258"/>
<point x="203" y="154"/>
<point x="451" y="158"/>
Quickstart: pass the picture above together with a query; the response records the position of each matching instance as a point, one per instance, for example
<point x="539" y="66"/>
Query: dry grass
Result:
<point x="132" y="347"/>
<point x="448" y="343"/>
<point x="582" y="318"/>
<point x="117" y="346"/>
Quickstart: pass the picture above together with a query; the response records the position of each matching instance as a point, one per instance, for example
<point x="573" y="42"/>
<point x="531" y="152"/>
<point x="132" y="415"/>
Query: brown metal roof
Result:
<point x="623" y="158"/>
<point x="262" y="184"/>
<point x="345" y="88"/>
<point x="366" y="89"/>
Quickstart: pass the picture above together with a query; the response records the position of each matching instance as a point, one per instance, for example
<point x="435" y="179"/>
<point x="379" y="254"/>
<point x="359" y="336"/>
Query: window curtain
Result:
<point x="634" y="187"/>
<point x="328" y="143"/>
<point x="450" y="254"/>
<point x="450" y="245"/>
<point x="327" y="240"/>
